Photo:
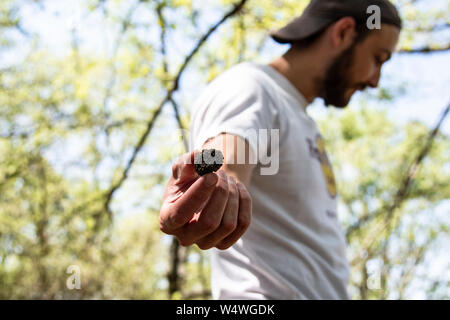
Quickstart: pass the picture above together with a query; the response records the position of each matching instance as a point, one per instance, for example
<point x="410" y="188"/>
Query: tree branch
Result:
<point x="158" y="110"/>
<point x="203" y="293"/>
<point x="113" y="78"/>
<point x="408" y="272"/>
<point x="404" y="187"/>
<point x="173" y="275"/>
<point x="402" y="192"/>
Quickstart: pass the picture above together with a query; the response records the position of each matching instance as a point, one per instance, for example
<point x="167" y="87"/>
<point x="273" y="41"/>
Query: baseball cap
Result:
<point x="321" y="13"/>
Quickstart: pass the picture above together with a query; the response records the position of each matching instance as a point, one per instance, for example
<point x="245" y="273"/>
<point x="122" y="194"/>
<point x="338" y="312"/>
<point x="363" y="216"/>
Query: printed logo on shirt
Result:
<point x="317" y="151"/>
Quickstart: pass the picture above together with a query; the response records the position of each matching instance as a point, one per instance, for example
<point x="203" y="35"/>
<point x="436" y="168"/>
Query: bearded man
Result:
<point x="274" y="234"/>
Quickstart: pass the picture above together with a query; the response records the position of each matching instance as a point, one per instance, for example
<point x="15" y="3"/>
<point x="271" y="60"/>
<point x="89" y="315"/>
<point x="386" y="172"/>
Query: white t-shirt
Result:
<point x="295" y="247"/>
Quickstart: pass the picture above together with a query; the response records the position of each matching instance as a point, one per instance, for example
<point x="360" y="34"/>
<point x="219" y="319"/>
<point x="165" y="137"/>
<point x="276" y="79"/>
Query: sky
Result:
<point x="429" y="74"/>
<point x="427" y="77"/>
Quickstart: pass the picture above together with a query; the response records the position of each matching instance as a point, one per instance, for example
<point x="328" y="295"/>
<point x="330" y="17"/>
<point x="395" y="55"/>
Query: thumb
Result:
<point x="183" y="169"/>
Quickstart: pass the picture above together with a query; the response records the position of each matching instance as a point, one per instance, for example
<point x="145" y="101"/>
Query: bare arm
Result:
<point x="233" y="147"/>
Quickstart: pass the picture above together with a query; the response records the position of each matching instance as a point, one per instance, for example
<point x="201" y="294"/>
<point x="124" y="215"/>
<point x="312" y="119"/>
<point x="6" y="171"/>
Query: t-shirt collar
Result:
<point x="286" y="85"/>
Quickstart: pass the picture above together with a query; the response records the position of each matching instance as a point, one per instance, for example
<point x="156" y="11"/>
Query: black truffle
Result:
<point x="209" y="160"/>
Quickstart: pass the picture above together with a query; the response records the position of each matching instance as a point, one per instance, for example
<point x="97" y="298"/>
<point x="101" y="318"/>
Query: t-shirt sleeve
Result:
<point x="237" y="104"/>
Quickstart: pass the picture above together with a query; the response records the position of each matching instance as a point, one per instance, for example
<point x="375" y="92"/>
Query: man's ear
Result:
<point x="343" y="33"/>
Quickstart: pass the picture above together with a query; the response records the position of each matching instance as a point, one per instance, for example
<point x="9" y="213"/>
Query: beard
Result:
<point x="337" y="80"/>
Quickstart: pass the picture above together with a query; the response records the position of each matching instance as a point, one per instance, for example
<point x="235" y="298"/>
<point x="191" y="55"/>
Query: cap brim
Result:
<point x="299" y="28"/>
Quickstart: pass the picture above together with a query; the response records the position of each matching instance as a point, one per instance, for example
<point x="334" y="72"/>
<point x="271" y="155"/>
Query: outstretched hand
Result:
<point x="213" y="210"/>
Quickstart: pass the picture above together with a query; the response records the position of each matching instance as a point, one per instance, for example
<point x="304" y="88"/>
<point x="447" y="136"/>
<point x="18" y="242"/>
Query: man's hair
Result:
<point x="361" y="30"/>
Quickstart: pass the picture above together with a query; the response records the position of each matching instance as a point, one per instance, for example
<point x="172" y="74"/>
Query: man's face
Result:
<point x="359" y="66"/>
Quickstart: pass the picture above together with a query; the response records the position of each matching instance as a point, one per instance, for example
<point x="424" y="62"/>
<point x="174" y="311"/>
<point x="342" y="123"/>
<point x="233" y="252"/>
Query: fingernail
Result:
<point x="210" y="180"/>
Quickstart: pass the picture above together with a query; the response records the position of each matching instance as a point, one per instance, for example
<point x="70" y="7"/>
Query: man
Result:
<point x="276" y="236"/>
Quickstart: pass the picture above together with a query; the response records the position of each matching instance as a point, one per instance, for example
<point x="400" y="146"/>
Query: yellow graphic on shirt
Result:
<point x="326" y="167"/>
<point x="317" y="151"/>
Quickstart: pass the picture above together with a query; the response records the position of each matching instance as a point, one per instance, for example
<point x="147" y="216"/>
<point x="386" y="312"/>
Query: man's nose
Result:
<point x="373" y="82"/>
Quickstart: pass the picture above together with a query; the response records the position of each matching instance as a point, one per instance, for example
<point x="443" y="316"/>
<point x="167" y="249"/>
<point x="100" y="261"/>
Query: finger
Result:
<point x="184" y="208"/>
<point x="211" y="215"/>
<point x="183" y="169"/>
<point x="229" y="219"/>
<point x="244" y="218"/>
